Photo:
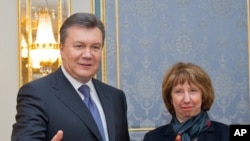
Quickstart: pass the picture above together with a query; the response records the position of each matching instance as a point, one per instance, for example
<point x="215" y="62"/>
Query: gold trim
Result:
<point x="117" y="44"/>
<point x="19" y="41"/>
<point x="92" y="6"/>
<point x="69" y="7"/>
<point x="104" y="53"/>
<point x="59" y="18"/>
<point x="140" y="129"/>
<point x="28" y="14"/>
<point x="92" y="10"/>
<point x="248" y="31"/>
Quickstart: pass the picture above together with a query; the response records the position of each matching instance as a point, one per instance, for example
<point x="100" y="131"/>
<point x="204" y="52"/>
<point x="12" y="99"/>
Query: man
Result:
<point x="54" y="108"/>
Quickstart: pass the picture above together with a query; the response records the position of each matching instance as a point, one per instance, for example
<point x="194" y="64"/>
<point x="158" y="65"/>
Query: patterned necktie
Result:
<point x="84" y="89"/>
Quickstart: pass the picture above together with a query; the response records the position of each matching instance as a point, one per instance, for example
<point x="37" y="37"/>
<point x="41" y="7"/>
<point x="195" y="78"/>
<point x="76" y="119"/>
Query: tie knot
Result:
<point x="84" y="89"/>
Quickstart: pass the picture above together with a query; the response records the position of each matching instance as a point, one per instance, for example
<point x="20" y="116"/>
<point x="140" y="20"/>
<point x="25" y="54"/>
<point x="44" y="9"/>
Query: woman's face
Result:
<point x="187" y="101"/>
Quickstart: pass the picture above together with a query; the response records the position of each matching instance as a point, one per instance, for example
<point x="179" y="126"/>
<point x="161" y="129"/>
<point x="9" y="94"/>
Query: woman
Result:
<point x="188" y="94"/>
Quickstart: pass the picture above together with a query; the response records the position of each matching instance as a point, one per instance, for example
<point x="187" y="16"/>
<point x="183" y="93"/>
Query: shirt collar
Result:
<point x="76" y="84"/>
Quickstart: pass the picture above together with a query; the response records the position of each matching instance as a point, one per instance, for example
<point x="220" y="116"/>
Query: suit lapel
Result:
<point x="68" y="95"/>
<point x="107" y="105"/>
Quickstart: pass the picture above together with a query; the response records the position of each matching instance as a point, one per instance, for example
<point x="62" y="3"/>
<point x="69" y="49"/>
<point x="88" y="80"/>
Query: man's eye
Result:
<point x="78" y="46"/>
<point x="96" y="48"/>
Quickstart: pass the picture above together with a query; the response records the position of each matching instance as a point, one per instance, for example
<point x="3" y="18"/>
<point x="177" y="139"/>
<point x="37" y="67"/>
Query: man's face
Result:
<point x="81" y="52"/>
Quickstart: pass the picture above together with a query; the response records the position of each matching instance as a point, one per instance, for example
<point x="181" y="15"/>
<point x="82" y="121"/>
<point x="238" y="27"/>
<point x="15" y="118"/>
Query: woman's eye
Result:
<point x="178" y="92"/>
<point x="193" y="90"/>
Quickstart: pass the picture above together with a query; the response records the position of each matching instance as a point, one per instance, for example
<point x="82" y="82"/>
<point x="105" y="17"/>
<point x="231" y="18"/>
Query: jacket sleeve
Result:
<point x="30" y="117"/>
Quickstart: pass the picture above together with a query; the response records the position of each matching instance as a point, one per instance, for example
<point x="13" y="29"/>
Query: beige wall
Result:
<point x="9" y="61"/>
<point x="9" y="66"/>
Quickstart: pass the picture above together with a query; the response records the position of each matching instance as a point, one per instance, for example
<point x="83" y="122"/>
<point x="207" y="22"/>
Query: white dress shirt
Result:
<point x="76" y="84"/>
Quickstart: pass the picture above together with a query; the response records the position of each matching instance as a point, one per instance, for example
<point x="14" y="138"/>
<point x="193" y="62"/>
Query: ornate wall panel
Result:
<point x="145" y="37"/>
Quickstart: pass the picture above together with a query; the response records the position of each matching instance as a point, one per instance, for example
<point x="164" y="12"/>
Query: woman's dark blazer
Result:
<point x="49" y="104"/>
<point x="216" y="132"/>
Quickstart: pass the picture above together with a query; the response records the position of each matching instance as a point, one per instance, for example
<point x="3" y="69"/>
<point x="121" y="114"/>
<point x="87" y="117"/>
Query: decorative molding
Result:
<point x="117" y="43"/>
<point x="248" y="37"/>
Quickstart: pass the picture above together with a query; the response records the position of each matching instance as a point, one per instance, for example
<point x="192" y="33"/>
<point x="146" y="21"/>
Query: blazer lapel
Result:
<point x="68" y="95"/>
<point x="107" y="105"/>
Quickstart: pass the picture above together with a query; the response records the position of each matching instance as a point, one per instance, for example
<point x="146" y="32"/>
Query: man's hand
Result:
<point x="58" y="136"/>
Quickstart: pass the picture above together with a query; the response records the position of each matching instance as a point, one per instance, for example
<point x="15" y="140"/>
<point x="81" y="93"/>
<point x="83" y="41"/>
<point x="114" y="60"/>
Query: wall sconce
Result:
<point x="39" y="23"/>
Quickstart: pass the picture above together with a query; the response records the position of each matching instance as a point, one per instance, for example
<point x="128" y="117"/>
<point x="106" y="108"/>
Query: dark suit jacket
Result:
<point x="216" y="132"/>
<point x="49" y="104"/>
